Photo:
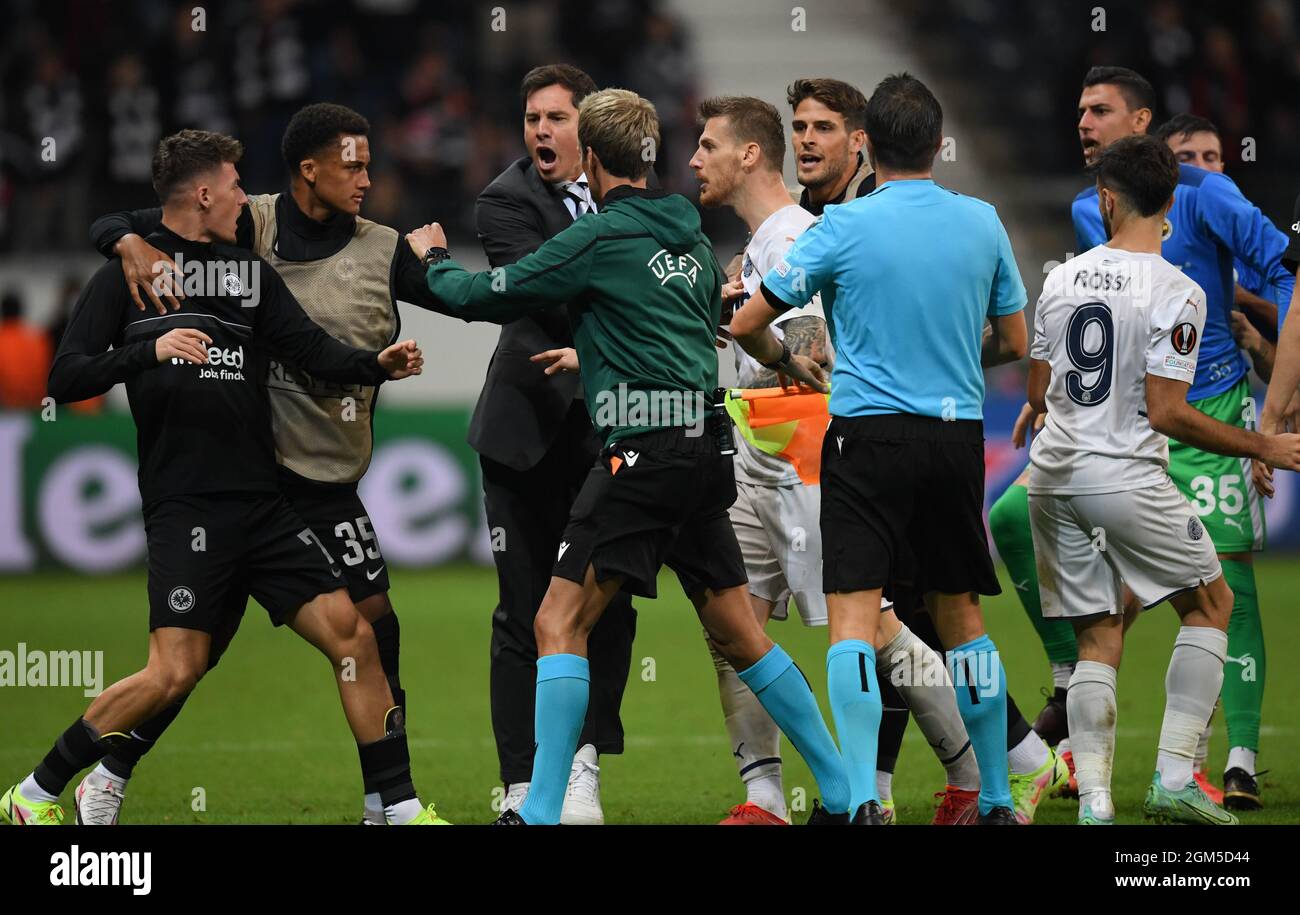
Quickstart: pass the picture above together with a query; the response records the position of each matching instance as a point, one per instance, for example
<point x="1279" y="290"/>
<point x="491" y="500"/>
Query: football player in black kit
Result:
<point x="218" y="528"/>
<point x="348" y="273"/>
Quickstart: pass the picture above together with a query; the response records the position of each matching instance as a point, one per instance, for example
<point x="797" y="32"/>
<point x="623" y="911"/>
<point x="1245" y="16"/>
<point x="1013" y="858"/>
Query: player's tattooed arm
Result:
<point x="805" y="335"/>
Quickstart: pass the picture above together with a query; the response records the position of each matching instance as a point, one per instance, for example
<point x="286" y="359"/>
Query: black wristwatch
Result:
<point x="435" y="256"/>
<point x="780" y="363"/>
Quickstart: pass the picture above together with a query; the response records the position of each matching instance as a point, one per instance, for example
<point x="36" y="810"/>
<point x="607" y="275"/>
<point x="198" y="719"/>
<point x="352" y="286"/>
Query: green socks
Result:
<point x="1243" y="674"/>
<point x="1009" y="524"/>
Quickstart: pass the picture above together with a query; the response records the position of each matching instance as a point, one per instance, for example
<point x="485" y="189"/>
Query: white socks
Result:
<point x="922" y="679"/>
<point x="403" y="811"/>
<point x="100" y="770"/>
<point x="1238" y="758"/>
<point x="374" y="806"/>
<point x="1203" y="748"/>
<point x="1061" y="674"/>
<point x="1030" y="755"/>
<point x="884" y="785"/>
<point x="755" y="738"/>
<point x="32" y="790"/>
<point x="1091" y="707"/>
<point x="1191" y="687"/>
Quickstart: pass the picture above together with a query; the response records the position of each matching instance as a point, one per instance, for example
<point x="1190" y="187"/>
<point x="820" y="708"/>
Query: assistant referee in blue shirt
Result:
<point x="908" y="275"/>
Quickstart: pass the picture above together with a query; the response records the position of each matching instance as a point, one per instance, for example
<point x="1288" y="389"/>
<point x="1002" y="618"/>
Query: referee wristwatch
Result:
<point x="781" y="362"/>
<point x="435" y="255"/>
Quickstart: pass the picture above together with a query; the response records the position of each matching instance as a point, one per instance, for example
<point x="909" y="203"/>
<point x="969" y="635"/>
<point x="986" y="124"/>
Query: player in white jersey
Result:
<point x="1117" y="331"/>
<point x="776" y="514"/>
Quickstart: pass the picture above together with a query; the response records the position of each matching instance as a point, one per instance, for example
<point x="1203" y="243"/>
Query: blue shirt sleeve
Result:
<point x="1088" y="229"/>
<point x="808" y="264"/>
<point x="1007" y="295"/>
<point x="1242" y="228"/>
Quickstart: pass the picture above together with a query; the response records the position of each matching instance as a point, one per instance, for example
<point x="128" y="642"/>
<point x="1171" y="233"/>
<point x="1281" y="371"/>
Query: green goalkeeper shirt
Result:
<point x="645" y="298"/>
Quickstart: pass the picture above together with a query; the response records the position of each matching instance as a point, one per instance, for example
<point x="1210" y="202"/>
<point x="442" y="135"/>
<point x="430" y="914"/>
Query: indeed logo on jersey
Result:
<point x="220" y="364"/>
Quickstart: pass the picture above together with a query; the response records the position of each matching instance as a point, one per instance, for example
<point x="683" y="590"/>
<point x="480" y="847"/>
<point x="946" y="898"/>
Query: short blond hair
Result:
<point x="622" y="129"/>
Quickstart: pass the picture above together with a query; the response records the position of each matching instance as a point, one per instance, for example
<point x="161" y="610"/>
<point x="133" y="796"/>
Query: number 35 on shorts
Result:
<point x="1230" y="509"/>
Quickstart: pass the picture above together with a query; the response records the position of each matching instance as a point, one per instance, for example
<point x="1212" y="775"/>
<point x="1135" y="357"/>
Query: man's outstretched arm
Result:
<point x="555" y="273"/>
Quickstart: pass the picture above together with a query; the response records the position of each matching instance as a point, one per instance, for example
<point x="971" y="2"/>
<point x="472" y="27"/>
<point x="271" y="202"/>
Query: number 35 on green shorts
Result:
<point x="1219" y="487"/>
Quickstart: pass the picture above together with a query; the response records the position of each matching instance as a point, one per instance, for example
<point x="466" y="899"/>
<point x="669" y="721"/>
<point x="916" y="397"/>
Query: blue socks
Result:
<point x="856" y="705"/>
<point x="981" y="685"/>
<point x="781" y="688"/>
<point x="563" y="684"/>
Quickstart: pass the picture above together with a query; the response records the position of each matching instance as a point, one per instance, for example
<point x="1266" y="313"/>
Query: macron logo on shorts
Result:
<point x="631" y="457"/>
<point x="563" y="546"/>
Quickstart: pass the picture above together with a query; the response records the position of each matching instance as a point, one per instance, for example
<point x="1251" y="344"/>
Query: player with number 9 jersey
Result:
<point x="1105" y="321"/>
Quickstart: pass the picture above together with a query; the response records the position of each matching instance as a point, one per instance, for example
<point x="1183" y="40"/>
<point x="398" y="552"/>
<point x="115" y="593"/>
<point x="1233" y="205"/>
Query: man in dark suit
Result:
<point x="536" y="445"/>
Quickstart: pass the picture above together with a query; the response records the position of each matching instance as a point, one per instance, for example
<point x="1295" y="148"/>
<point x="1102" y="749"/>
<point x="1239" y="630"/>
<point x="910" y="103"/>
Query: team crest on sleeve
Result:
<point x="1183" y="338"/>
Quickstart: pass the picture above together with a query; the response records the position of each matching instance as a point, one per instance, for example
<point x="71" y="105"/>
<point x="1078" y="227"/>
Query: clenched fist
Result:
<point x="426" y="237"/>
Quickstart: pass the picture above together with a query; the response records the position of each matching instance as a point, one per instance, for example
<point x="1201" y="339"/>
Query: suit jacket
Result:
<point x="520" y="408"/>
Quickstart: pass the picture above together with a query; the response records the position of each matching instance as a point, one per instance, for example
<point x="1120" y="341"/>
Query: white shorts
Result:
<point x="1089" y="546"/>
<point x="779" y="530"/>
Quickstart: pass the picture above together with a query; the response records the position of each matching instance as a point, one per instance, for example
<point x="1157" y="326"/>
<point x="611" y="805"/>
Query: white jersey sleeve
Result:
<point x="1040" y="347"/>
<point x="1176" y="325"/>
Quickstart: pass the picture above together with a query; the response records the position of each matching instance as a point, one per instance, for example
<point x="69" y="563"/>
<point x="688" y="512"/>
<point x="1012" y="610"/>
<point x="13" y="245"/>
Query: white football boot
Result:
<point x="99" y="799"/>
<point x="582" y="798"/>
<point x="516" y="794"/>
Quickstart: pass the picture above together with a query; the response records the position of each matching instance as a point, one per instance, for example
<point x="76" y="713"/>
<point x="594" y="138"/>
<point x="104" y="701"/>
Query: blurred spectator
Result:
<point x="105" y="79"/>
<point x="1237" y="64"/>
<point x="134" y="129"/>
<point x="196" y="78"/>
<point x="50" y="206"/>
<point x="25" y="356"/>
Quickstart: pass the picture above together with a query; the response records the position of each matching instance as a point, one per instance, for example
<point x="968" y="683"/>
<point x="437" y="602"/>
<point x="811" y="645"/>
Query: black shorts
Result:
<point x="334" y="511"/>
<point x="207" y="554"/>
<point x="651" y="500"/>
<point x="903" y="506"/>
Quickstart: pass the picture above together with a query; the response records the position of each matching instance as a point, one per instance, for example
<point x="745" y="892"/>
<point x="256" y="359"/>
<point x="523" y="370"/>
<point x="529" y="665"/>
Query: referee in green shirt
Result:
<point x="644" y="296"/>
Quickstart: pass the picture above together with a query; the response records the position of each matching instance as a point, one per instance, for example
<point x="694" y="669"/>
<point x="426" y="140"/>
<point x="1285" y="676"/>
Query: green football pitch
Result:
<point x="263" y="740"/>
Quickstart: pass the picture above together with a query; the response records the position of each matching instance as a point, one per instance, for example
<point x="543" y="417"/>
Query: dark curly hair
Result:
<point x="317" y="126"/>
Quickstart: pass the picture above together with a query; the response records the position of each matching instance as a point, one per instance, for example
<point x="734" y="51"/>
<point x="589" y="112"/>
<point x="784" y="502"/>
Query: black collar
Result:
<point x="627" y="190"/>
<point x="301" y="238"/>
<point x="179" y="243"/>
